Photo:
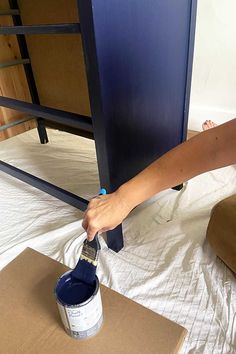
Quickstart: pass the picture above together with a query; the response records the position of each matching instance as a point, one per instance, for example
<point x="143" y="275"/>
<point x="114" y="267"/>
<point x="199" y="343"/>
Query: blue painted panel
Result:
<point x="142" y="53"/>
<point x="138" y="56"/>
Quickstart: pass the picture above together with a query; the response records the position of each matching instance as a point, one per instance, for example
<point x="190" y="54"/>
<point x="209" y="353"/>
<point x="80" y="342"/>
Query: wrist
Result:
<point x="127" y="196"/>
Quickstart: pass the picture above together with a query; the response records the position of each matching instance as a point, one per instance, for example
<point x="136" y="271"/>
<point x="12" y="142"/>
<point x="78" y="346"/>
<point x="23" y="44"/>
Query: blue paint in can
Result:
<point x="78" y="294"/>
<point x="79" y="305"/>
<point x="71" y="291"/>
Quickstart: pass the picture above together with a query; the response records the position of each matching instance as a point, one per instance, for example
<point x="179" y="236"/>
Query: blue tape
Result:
<point x="102" y="191"/>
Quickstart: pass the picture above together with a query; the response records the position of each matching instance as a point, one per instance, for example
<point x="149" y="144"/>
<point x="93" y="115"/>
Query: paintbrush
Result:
<point x="86" y="267"/>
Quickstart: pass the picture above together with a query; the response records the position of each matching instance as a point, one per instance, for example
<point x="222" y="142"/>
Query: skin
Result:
<point x="208" y="124"/>
<point x="209" y="150"/>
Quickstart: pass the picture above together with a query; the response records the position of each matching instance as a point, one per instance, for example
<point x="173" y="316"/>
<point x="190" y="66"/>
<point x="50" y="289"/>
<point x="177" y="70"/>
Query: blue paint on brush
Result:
<point x="79" y="285"/>
<point x="86" y="267"/>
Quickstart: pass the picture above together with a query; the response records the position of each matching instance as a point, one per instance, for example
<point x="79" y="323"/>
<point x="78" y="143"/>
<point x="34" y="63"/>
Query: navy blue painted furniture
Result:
<point x="138" y="56"/>
<point x="139" y="62"/>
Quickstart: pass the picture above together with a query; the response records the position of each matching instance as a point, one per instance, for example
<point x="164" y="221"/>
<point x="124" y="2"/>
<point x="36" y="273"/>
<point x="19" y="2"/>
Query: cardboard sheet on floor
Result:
<point x="30" y="321"/>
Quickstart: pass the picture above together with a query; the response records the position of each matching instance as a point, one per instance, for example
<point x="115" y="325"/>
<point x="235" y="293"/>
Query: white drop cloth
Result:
<point x="166" y="264"/>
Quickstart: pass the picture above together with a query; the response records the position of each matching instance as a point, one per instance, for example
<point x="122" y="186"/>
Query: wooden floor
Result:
<point x="191" y="133"/>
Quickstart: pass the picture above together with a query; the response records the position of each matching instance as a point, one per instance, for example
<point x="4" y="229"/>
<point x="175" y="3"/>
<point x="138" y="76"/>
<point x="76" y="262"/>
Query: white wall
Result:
<point x="213" y="93"/>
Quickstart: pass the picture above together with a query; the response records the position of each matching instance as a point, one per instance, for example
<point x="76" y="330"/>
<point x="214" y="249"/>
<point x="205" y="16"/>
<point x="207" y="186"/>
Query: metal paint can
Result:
<point x="80" y="306"/>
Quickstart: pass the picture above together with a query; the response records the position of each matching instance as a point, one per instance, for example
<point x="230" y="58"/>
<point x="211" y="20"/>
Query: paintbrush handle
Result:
<point x="94" y="243"/>
<point x="90" y="250"/>
<point x="102" y="191"/>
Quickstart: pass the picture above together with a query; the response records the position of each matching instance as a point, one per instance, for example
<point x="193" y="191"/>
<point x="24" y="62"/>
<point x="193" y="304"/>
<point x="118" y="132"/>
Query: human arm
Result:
<point x="211" y="149"/>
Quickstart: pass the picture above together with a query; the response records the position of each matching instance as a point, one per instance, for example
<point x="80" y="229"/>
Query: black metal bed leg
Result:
<point x="114" y="239"/>
<point x="42" y="131"/>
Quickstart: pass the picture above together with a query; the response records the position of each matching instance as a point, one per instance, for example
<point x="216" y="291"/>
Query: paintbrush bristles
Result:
<point x="88" y="260"/>
<point x="89" y="252"/>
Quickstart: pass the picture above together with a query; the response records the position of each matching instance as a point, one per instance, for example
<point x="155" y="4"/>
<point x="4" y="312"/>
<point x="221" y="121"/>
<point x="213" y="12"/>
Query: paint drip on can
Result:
<point x="80" y="306"/>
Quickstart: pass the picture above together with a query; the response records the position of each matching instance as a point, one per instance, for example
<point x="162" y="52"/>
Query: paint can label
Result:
<point x="83" y="320"/>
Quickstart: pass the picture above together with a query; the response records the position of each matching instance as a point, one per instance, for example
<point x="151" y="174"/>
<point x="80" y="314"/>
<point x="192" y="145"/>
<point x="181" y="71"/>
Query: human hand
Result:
<point x="104" y="213"/>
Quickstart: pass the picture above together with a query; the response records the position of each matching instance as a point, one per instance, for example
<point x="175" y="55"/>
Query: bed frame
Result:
<point x="138" y="59"/>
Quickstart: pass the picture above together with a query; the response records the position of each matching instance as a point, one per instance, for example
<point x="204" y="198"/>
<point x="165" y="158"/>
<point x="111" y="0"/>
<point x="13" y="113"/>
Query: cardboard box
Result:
<point x="30" y="321"/>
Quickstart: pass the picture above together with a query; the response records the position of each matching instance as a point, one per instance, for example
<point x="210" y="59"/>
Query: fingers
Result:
<point x="89" y="224"/>
<point x="91" y="228"/>
<point x="91" y="232"/>
<point x="98" y="216"/>
<point x="85" y="223"/>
